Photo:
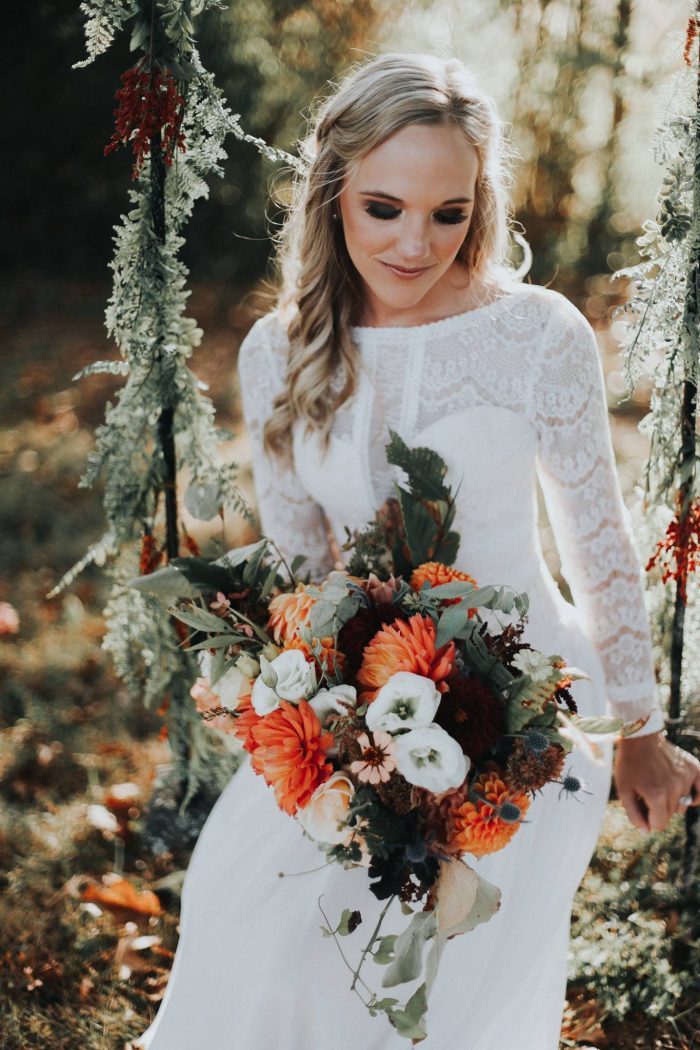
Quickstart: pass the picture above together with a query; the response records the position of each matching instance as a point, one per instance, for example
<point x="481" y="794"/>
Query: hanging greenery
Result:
<point x="663" y="338"/>
<point x="174" y="119"/>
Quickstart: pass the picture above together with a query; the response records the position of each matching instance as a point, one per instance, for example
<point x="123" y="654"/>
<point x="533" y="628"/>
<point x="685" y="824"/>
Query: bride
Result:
<point x="396" y="310"/>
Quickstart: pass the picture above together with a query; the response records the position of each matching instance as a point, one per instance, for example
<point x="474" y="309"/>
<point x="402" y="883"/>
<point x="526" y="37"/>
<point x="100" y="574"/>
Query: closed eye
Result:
<point x="445" y="218"/>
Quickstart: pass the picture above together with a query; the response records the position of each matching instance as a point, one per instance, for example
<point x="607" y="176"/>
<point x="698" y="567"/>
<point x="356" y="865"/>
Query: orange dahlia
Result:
<point x="436" y="574"/>
<point x="289" y="612"/>
<point x="290" y="753"/>
<point x="246" y="718"/>
<point x="333" y="657"/>
<point x="477" y="826"/>
<point x="404" y="646"/>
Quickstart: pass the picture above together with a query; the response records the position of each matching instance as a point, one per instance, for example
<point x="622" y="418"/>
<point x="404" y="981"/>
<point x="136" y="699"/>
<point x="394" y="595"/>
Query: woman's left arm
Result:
<point x="578" y="476"/>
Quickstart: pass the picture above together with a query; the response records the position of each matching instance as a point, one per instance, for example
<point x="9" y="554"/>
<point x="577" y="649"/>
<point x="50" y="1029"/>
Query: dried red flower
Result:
<point x="149" y="104"/>
<point x="678" y="552"/>
<point x="690" y="35"/>
<point x="151" y="555"/>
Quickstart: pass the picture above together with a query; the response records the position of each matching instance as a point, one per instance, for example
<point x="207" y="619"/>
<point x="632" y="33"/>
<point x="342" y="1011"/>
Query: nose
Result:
<point x="413" y="245"/>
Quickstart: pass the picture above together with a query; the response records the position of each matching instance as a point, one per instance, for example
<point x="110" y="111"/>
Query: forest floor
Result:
<point x="89" y="901"/>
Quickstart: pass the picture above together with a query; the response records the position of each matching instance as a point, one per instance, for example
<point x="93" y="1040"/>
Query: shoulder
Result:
<point x="266" y="343"/>
<point x="563" y="317"/>
<point x="550" y="307"/>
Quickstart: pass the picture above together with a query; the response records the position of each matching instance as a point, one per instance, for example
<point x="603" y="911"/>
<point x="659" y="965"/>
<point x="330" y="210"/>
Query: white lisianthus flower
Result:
<point x="323" y="817"/>
<point x="536" y="665"/>
<point x="327" y="701"/>
<point x="430" y="758"/>
<point x="296" y="680"/>
<point x="405" y="701"/>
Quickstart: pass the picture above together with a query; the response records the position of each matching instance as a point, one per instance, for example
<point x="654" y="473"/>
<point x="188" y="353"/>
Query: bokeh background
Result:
<point x="582" y="85"/>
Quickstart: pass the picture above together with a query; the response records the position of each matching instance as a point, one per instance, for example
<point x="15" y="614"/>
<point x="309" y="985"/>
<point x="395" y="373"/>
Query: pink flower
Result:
<point x="222" y="604"/>
<point x="378" y="758"/>
<point x="208" y="701"/>
<point x="9" y="620"/>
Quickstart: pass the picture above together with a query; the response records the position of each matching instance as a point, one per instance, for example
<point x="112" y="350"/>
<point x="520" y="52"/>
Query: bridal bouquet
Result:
<point x="396" y="717"/>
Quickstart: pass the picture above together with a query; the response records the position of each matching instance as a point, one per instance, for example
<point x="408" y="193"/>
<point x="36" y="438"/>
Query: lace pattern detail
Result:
<point x="511" y="391"/>
<point x="576" y="470"/>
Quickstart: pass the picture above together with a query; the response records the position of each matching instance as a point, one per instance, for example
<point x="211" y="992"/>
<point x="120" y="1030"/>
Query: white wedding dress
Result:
<point x="507" y="394"/>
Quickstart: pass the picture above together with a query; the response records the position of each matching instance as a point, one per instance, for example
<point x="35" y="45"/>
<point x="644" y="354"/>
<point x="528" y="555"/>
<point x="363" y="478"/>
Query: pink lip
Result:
<point x="401" y="272"/>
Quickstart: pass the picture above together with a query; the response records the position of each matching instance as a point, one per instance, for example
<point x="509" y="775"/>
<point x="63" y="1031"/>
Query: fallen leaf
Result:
<point x="121" y="895"/>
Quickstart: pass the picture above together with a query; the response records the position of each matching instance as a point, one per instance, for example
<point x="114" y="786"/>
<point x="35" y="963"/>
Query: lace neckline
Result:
<point x="444" y="323"/>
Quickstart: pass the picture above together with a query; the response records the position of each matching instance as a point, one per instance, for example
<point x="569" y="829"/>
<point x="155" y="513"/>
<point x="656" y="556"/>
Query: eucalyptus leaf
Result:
<point x="166" y="583"/>
<point x="205" y="575"/>
<point x="220" y="641"/>
<point x="409" y="1022"/>
<point x="408" y="949"/>
<point x="203" y="500"/>
<point x="451" y="622"/>
<point x="270" y="580"/>
<point x="238" y="555"/>
<point x="349" y="921"/>
<point x="384" y="953"/>
<point x="218" y="667"/>
<point x="199" y="619"/>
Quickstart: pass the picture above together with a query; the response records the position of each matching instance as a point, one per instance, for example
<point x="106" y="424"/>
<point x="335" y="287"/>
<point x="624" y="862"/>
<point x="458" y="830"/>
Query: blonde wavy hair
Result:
<point x="320" y="290"/>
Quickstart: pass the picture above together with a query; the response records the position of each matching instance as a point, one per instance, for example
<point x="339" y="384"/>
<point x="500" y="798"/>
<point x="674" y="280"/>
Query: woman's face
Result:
<point x="408" y="205"/>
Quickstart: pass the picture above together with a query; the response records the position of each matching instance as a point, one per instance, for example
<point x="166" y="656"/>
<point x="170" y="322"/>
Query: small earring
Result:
<point x="335" y="214"/>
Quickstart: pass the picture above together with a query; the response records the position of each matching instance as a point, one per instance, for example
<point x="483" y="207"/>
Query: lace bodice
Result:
<point x="508" y="394"/>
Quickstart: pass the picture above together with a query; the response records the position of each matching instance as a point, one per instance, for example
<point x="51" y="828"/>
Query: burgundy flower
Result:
<point x="472" y="714"/>
<point x="358" y="632"/>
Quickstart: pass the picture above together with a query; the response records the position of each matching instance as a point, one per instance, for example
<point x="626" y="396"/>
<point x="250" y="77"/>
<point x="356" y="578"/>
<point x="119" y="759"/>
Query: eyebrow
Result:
<point x="388" y="197"/>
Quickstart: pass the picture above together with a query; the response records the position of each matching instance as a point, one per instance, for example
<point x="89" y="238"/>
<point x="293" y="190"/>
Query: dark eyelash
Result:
<point x="446" y="220"/>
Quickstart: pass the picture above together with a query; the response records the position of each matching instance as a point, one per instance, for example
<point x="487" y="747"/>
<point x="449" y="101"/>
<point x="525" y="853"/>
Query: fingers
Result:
<point x="661" y="808"/>
<point x="635" y="809"/>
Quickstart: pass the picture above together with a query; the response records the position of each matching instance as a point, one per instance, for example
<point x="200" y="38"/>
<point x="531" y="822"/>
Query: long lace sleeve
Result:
<point x="577" y="473"/>
<point x="288" y="515"/>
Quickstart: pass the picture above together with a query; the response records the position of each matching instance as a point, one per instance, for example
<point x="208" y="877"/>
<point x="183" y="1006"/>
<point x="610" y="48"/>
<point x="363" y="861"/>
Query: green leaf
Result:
<point x="199" y="618"/>
<point x="409" y="1022"/>
<point x="424" y="467"/>
<point x="349" y="921"/>
<point x="454" y="589"/>
<point x="421" y="528"/>
<point x="408" y="949"/>
<point x="203" y="500"/>
<point x="139" y="35"/>
<point x="238" y="555"/>
<point x="219" y="667"/>
<point x="270" y="580"/>
<point x="384" y="952"/>
<point x="206" y="575"/>
<point x="166" y="583"/>
<point x="220" y="641"/>
<point x="253" y="564"/>
<point x="297" y="562"/>
<point x="453" y="620"/>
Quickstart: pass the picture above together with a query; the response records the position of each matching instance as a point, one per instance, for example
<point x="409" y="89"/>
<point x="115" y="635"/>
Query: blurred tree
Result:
<point x="269" y="56"/>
